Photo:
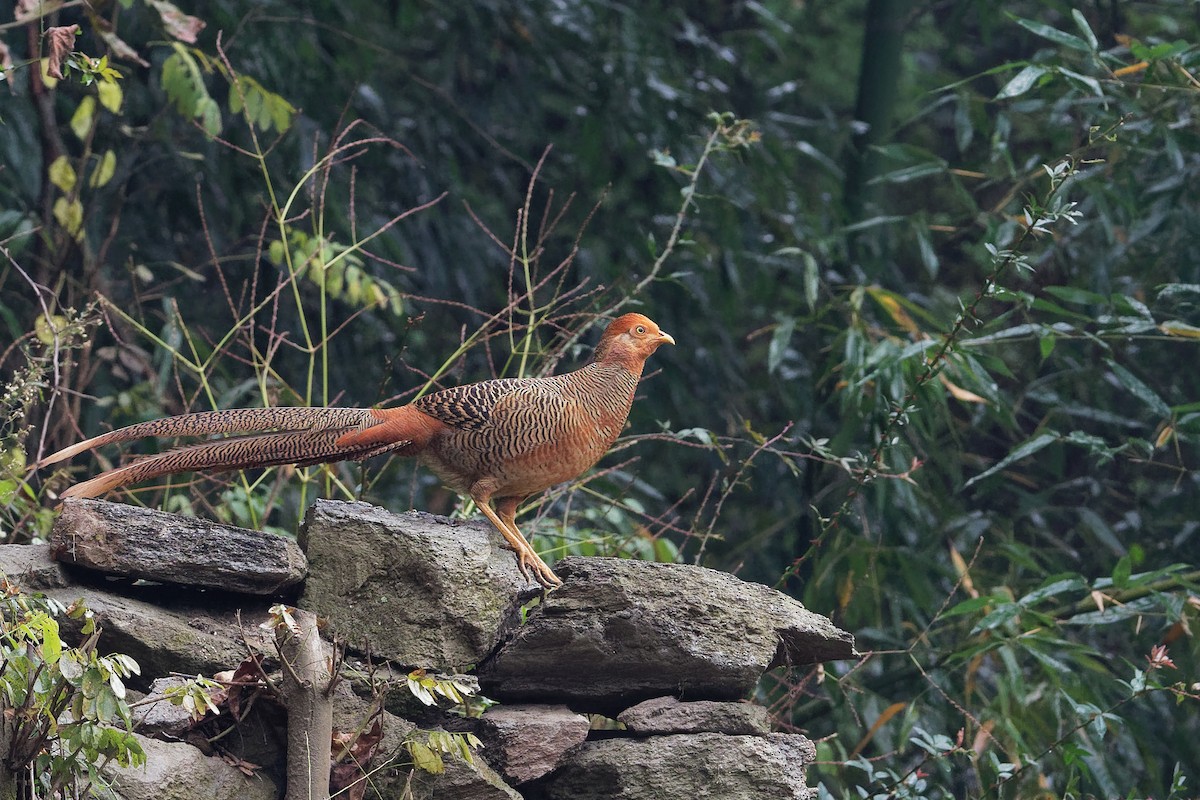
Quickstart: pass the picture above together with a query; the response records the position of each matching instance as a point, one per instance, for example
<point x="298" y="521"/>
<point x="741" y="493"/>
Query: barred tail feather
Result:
<point x="237" y="420"/>
<point x="265" y="450"/>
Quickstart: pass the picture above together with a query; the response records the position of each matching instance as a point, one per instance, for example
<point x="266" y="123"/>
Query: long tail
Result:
<point x="299" y="435"/>
<point x="234" y="420"/>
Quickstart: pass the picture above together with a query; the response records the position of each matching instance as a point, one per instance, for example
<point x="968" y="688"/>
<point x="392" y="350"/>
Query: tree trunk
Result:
<point x="307" y="678"/>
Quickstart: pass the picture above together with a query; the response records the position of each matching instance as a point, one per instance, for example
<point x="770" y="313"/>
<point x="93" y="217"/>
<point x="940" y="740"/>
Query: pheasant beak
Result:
<point x="665" y="338"/>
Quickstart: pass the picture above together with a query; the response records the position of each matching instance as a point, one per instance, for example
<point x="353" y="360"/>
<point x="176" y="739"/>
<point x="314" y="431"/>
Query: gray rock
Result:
<point x="415" y="588"/>
<point x="391" y="773"/>
<point x="159" y="717"/>
<point x="618" y="632"/>
<point x="697" y="766"/>
<point x="31" y="567"/>
<point x="524" y="742"/>
<point x="178" y="771"/>
<point x="185" y="638"/>
<point x="670" y="715"/>
<point x="120" y="539"/>
<point x="353" y="714"/>
<point x="460" y="781"/>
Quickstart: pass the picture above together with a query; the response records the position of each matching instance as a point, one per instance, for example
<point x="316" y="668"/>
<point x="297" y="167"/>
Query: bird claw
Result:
<point x="541" y="573"/>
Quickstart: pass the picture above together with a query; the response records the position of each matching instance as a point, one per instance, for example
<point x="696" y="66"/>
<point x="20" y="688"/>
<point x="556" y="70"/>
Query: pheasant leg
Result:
<point x="527" y="557"/>
<point x="506" y="509"/>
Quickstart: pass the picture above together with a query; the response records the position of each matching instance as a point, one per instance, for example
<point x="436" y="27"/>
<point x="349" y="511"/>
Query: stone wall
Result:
<point x="626" y="682"/>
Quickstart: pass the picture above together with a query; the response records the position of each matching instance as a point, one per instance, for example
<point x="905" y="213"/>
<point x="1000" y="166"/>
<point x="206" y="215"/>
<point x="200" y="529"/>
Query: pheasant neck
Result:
<point x="622" y="357"/>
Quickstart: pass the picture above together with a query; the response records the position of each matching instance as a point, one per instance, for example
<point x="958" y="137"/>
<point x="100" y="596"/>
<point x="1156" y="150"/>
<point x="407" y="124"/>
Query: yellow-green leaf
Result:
<point x="209" y="114"/>
<point x="111" y="95"/>
<point x="45" y="328"/>
<point x="281" y="113"/>
<point x="81" y="120"/>
<point x="1164" y="436"/>
<point x="62" y="174"/>
<point x="69" y="214"/>
<point x="424" y="758"/>
<point x="104" y="170"/>
<point x="47" y="78"/>
<point x="276" y="252"/>
<point x="51" y="643"/>
<point x="1176" y="328"/>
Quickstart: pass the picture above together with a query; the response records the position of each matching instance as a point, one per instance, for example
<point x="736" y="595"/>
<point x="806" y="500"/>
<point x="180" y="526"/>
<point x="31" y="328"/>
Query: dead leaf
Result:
<point x="28" y="10"/>
<point x="117" y="46"/>
<point x="965" y="395"/>
<point x="243" y="685"/>
<point x="982" y="737"/>
<point x="888" y="713"/>
<point x="964" y="572"/>
<point x="62" y="44"/>
<point x="183" y="27"/>
<point x="348" y="780"/>
<point x="352" y="755"/>
<point x="1132" y="68"/>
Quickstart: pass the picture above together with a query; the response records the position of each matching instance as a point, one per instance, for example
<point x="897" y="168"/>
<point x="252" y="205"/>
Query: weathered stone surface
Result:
<point x="390" y="773"/>
<point x="618" y="632"/>
<point x="178" y="771"/>
<point x="120" y="539"/>
<point x="700" y="765"/>
<point x="421" y="590"/>
<point x="160" y="717"/>
<point x="524" y="742"/>
<point x="460" y="781"/>
<point x="670" y="715"/>
<point x="31" y="567"/>
<point x="184" y="638"/>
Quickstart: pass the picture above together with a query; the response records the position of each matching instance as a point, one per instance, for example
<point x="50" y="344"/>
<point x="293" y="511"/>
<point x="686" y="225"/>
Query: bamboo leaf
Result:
<point x="1027" y="449"/>
<point x="1139" y="389"/>
<point x="1022" y="82"/>
<point x="1054" y="34"/>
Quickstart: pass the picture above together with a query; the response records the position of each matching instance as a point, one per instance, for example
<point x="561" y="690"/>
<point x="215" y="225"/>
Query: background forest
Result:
<point x="933" y="267"/>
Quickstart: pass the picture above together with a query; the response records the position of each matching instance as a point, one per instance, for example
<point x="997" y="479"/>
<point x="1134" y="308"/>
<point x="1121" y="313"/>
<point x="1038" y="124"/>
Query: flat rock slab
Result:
<point x="178" y="771"/>
<point x="669" y="715"/>
<point x="618" y="632"/>
<point x="708" y="766"/>
<point x="32" y="567"/>
<point x="157" y="716"/>
<point x="120" y="539"/>
<point x="184" y="638"/>
<point x="461" y="781"/>
<point x="524" y="742"/>
<point x="415" y="588"/>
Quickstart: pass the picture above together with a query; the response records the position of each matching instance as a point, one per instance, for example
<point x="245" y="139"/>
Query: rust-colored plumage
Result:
<point x="498" y="442"/>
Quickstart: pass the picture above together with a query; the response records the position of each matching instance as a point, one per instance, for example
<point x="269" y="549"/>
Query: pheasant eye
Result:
<point x="640" y="330"/>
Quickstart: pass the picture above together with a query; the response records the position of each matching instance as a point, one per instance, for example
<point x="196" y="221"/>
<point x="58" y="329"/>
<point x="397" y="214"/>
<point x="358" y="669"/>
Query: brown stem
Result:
<point x="307" y="676"/>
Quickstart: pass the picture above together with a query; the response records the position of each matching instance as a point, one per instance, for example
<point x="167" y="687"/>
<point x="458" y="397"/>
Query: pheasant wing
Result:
<point x="523" y="413"/>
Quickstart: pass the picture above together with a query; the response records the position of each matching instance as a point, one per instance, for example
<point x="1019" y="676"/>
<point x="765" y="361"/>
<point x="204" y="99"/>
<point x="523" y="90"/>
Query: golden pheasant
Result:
<point x="498" y="441"/>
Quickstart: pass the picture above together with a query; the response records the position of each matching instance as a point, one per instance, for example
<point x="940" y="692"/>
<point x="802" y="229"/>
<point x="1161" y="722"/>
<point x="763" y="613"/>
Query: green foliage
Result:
<point x="23" y="515"/>
<point x="429" y="750"/>
<point x="947" y="401"/>
<point x="194" y="695"/>
<point x="64" y="707"/>
<point x="336" y="269"/>
<point x="183" y="81"/>
<point x="184" y="74"/>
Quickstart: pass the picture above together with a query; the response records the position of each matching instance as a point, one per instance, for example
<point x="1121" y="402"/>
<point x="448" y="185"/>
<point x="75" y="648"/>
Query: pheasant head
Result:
<point x="629" y="340"/>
